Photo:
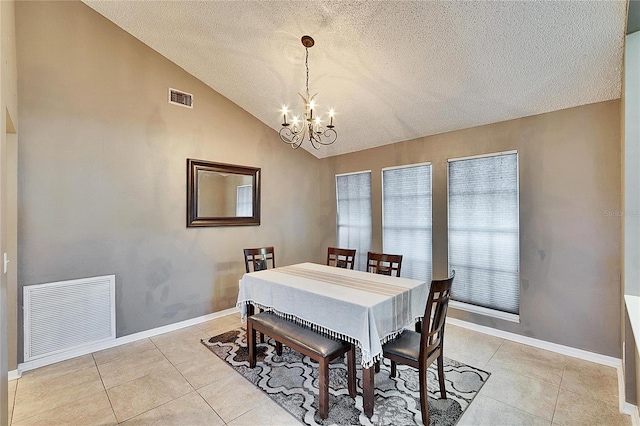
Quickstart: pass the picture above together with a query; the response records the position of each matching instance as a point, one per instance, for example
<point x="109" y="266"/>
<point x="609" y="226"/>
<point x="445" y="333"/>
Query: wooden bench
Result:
<point x="316" y="346"/>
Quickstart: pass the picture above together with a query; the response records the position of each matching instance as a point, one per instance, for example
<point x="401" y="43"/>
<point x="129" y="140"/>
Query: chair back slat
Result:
<point x="435" y="316"/>
<point x="257" y="259"/>
<point x="384" y="264"/>
<point x="341" y="258"/>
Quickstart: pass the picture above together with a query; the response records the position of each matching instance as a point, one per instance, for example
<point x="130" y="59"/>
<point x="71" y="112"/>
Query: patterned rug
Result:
<point x="291" y="380"/>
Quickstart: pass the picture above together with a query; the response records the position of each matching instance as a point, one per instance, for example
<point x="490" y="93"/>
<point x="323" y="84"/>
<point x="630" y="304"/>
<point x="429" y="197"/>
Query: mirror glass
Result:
<point x="222" y="194"/>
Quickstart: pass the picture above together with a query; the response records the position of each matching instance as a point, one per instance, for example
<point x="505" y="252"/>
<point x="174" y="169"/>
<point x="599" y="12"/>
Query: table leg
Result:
<point x="367" y="390"/>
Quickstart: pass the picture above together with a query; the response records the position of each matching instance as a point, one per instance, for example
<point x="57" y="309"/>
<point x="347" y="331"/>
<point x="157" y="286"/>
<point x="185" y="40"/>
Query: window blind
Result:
<point x="353" y="193"/>
<point x="244" y="204"/>
<point x="484" y="231"/>
<point x="406" y="218"/>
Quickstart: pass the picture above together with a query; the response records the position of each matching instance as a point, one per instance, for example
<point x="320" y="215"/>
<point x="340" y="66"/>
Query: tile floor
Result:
<point x="172" y="379"/>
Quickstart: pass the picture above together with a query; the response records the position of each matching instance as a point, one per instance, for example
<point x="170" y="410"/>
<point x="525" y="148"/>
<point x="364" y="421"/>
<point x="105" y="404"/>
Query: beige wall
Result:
<point x="102" y="172"/>
<point x="569" y="165"/>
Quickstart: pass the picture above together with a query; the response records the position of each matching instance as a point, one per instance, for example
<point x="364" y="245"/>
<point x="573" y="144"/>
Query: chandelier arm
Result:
<point x="291" y="138"/>
<point x="331" y="136"/>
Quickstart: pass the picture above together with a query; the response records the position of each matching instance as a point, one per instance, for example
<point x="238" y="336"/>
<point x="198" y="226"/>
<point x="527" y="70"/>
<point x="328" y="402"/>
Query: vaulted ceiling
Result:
<point x="392" y="70"/>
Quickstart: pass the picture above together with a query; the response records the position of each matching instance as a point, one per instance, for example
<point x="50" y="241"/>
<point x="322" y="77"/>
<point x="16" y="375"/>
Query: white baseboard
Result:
<point x="15" y="374"/>
<point x="632" y="411"/>
<point x="530" y="341"/>
<point x="41" y="362"/>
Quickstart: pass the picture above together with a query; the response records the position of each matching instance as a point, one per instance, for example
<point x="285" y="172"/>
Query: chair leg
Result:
<point x="323" y="397"/>
<point x="251" y="343"/>
<point x="377" y="369"/>
<point x="261" y="334"/>
<point x="278" y="348"/>
<point x="424" y="398"/>
<point x="443" y="392"/>
<point x="351" y="371"/>
<point x="393" y="369"/>
<point x="418" y="326"/>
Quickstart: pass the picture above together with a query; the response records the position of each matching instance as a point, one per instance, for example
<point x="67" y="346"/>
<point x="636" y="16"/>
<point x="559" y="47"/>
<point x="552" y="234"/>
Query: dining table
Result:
<point x="362" y="308"/>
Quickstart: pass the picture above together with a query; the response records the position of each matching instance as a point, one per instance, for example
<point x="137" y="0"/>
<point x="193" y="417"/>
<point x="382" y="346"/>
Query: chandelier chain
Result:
<point x="306" y="63"/>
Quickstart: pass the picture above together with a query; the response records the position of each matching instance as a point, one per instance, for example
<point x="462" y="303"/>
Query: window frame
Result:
<point x="406" y="166"/>
<point x="468" y="307"/>
<point x="371" y="207"/>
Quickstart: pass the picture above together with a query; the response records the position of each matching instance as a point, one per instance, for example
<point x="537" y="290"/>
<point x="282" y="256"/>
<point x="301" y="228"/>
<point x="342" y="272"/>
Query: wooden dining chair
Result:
<point x="259" y="259"/>
<point x="341" y="258"/>
<point x="419" y="350"/>
<point x="384" y="264"/>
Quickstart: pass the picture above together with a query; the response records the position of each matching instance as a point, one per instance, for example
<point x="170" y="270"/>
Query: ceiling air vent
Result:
<point x="177" y="97"/>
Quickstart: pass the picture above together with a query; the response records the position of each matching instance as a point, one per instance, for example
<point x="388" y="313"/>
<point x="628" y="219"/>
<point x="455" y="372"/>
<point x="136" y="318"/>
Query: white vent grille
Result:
<point x="177" y="97"/>
<point x="67" y="315"/>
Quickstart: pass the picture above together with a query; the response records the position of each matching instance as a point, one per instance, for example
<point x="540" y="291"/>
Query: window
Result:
<point x="244" y="205"/>
<point x="353" y="192"/>
<point x="406" y="218"/>
<point x="484" y="231"/>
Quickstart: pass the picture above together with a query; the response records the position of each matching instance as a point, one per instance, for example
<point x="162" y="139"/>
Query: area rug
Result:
<point x="291" y="380"/>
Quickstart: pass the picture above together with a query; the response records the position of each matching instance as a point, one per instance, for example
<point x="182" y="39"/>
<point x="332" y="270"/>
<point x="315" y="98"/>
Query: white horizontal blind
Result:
<point x="406" y="218"/>
<point x="484" y="231"/>
<point x="353" y="193"/>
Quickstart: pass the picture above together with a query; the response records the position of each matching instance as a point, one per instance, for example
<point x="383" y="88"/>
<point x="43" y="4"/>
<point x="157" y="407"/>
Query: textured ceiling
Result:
<point x="393" y="71"/>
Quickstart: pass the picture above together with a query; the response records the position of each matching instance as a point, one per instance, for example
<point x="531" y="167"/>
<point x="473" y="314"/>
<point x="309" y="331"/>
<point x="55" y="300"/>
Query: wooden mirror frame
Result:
<point x="193" y="220"/>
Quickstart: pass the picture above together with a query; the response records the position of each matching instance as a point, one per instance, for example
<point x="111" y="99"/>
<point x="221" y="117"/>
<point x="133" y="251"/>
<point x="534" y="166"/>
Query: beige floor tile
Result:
<point x="58" y="369"/>
<point x="592" y="379"/>
<point x="529" y="361"/>
<point x="34" y="400"/>
<point x="56" y="385"/>
<point x="143" y="394"/>
<point x="123" y="351"/>
<point x="232" y="396"/>
<point x="460" y="342"/>
<point x="12" y="397"/>
<point x="132" y="367"/>
<point x="485" y="411"/>
<point x="91" y="410"/>
<point x="221" y="325"/>
<point x="188" y="333"/>
<point x="201" y="373"/>
<point x="527" y="394"/>
<point x="267" y="414"/>
<point x="189" y="409"/>
<point x="579" y="409"/>
<point x="185" y="351"/>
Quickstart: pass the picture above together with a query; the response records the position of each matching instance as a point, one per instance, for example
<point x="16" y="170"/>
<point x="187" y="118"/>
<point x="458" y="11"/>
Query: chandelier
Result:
<point x="307" y="126"/>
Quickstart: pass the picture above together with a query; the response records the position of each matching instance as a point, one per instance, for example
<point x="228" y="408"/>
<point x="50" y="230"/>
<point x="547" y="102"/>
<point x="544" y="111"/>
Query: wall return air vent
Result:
<point x="178" y="97"/>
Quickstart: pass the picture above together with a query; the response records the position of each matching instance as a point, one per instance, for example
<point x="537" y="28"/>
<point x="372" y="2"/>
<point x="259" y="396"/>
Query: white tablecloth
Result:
<point x="363" y="308"/>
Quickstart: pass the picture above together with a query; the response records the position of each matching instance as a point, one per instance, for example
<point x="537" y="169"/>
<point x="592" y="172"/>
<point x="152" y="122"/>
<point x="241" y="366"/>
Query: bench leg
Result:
<point x="351" y="371"/>
<point x="278" y="348"/>
<point x="251" y="343"/>
<point x="393" y="369"/>
<point x="377" y="366"/>
<point x="323" y="377"/>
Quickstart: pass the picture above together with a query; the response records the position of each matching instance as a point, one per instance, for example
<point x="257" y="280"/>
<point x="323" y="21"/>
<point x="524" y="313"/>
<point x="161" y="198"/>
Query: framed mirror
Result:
<point x="222" y="194"/>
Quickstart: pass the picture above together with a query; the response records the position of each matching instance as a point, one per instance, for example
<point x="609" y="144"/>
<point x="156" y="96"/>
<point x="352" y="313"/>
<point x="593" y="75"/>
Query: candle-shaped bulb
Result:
<point x="331" y="113"/>
<point x="295" y="120"/>
<point x="317" y="124"/>
<point x="284" y="113"/>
